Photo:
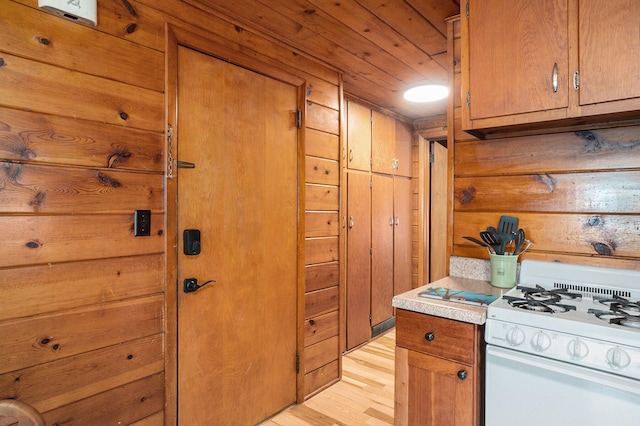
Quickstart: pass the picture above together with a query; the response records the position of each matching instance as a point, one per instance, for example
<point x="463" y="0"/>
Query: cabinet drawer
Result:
<point x="437" y="336"/>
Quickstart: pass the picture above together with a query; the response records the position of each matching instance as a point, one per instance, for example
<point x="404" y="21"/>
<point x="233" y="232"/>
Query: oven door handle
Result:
<point x="586" y="374"/>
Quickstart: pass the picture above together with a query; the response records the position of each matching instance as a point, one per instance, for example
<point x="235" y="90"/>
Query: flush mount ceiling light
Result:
<point x="426" y="93"/>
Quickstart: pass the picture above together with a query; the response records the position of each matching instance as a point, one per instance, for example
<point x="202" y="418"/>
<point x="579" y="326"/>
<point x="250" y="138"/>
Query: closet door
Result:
<point x="358" y="258"/>
<point x="382" y="224"/>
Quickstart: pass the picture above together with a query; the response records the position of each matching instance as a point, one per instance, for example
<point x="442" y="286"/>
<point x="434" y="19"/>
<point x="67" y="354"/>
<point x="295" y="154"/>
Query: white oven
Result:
<point x="563" y="348"/>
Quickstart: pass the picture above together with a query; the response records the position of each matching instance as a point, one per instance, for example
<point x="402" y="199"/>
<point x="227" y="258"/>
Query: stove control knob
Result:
<point x="515" y="336"/>
<point x="577" y="349"/>
<point x="618" y="359"/>
<point x="540" y="342"/>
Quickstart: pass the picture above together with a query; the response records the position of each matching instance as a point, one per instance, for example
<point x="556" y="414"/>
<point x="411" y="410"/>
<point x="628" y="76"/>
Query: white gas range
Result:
<point x="563" y="347"/>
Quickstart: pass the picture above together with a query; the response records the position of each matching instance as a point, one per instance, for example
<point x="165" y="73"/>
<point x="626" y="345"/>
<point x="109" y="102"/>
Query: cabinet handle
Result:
<point x="351" y="222"/>
<point x="462" y="374"/>
<point x="391" y="221"/>
<point x="554" y="77"/>
<point x="397" y="220"/>
<point x="350" y="155"/>
<point x="429" y="337"/>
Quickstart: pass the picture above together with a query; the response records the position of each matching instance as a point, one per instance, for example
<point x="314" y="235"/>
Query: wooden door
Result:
<point x="237" y="335"/>
<point x="383" y="143"/>
<point x="402" y="274"/>
<point x="382" y="224"/>
<point x="358" y="137"/>
<point x="513" y="46"/>
<point x="358" y="259"/>
<point x="609" y="48"/>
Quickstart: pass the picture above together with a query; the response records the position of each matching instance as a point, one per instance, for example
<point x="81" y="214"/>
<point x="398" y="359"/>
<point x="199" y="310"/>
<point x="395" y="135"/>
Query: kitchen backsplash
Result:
<point x="469" y="267"/>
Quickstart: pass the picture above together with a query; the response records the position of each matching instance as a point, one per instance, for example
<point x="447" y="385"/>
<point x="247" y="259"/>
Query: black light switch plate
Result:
<point x="142" y="223"/>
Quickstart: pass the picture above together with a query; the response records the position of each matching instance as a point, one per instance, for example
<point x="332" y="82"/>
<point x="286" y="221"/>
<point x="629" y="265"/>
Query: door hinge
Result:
<point x="297" y="363"/>
<point x="468" y="98"/>
<point x="370" y="251"/>
<point x="299" y="118"/>
<point x="431" y="158"/>
<point x="576" y="80"/>
<point x="169" y="151"/>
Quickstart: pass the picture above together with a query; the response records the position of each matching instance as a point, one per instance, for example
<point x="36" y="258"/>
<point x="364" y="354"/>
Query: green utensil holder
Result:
<point x="503" y="270"/>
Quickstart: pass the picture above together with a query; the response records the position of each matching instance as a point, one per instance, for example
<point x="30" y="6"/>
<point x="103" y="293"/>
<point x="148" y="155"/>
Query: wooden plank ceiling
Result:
<point x="382" y="47"/>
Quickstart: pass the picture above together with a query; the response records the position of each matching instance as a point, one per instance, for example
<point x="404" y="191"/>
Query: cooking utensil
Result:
<point x="480" y="243"/>
<point x="476" y="241"/>
<point x="492" y="239"/>
<point x="507" y="229"/>
<point x="519" y="241"/>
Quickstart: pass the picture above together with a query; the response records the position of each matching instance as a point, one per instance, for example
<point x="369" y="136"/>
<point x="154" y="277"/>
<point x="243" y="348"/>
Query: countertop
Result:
<point x="474" y="314"/>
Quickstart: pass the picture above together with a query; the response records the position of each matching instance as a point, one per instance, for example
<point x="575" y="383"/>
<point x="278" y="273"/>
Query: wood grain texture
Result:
<point x="33" y="137"/>
<point x="321" y="275"/>
<point x="322" y="197"/>
<point x="51" y="337"/>
<point x="84" y="374"/>
<point x="59" y="91"/>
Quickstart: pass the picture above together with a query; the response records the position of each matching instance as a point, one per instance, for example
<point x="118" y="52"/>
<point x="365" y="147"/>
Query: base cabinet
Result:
<point x="438" y="371"/>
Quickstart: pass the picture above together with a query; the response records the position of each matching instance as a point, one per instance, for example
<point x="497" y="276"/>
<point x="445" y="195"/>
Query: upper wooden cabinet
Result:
<point x="548" y="63"/>
<point x="390" y="145"/>
<point x="358" y="137"/>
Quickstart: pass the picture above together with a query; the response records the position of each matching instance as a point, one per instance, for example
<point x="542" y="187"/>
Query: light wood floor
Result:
<point x="364" y="396"/>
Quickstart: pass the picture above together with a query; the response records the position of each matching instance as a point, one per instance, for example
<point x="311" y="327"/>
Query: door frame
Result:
<point x="233" y="53"/>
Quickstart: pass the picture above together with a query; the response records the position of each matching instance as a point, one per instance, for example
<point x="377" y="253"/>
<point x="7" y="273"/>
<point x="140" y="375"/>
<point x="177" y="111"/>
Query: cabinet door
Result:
<point x="382" y="221"/>
<point x="404" y="142"/>
<point x="383" y="141"/>
<point x="402" y="274"/>
<point x="439" y="391"/>
<point x="358" y="137"/>
<point x="358" y="286"/>
<point x="513" y="46"/>
<point x="609" y="50"/>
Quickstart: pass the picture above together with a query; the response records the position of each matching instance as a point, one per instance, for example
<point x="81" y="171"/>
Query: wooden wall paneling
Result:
<point x="322" y="118"/>
<point x="321" y="328"/>
<point x="318" y="224"/>
<point x="320" y="354"/>
<point x="123" y="405"/>
<point x="34" y="340"/>
<point x="320" y="250"/>
<point x="50" y="239"/>
<point x="321" y="276"/>
<point x="60" y="91"/>
<point x="156" y="419"/>
<point x="28" y="136"/>
<point x="564" y="233"/>
<point x="322" y="144"/>
<point x="47" y="39"/>
<point x="57" y="190"/>
<point x="580" y="151"/>
<point x="602" y="192"/>
<point x="85" y="374"/>
<point x="322" y="197"/>
<point x="38" y="289"/>
<point x="322" y="171"/>
<point x="320" y="378"/>
<point x="321" y="302"/>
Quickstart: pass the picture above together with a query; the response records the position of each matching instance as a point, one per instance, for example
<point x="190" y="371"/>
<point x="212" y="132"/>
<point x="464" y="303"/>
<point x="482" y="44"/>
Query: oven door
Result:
<point x="527" y="390"/>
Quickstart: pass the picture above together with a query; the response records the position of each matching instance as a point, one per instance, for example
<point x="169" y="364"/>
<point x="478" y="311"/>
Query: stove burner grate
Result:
<point x="540" y="293"/>
<point x="530" y="303"/>
<point x="618" y="317"/>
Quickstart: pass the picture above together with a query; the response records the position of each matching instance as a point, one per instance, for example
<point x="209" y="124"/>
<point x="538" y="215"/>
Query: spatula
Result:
<point x="492" y="239"/>
<point x="507" y="229"/>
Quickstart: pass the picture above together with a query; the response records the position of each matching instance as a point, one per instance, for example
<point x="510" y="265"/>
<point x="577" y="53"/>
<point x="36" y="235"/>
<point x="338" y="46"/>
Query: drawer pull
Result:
<point x="429" y="337"/>
<point x="462" y="374"/>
